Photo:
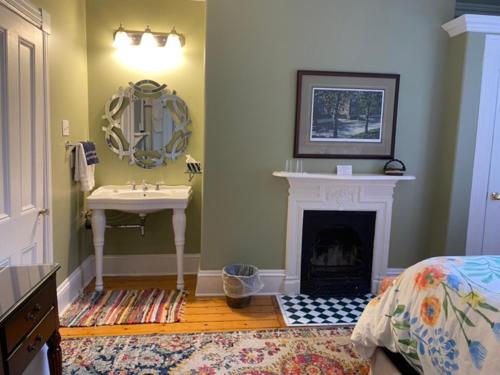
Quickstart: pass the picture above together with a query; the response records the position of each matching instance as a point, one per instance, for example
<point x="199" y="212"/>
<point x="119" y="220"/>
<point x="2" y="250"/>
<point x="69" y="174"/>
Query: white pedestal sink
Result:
<point x="143" y="200"/>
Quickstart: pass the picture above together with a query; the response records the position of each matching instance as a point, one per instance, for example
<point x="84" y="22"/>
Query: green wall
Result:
<point x="107" y="71"/>
<point x="254" y="48"/>
<point x="68" y="100"/>
<point x="458" y="137"/>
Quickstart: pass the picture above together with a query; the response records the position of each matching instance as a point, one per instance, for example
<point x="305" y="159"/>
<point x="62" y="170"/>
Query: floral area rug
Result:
<point x="286" y="351"/>
<point x="125" y="306"/>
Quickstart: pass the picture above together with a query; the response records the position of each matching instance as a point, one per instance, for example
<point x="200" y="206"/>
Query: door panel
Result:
<point x="27" y="126"/>
<point x="22" y="142"/>
<point x="491" y="240"/>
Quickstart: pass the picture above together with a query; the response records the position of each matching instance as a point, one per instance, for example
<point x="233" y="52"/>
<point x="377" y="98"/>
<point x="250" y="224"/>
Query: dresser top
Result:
<point x="17" y="283"/>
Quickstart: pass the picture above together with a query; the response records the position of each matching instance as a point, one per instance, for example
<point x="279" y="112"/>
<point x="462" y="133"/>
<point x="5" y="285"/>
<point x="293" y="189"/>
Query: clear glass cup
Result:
<point x="298" y="166"/>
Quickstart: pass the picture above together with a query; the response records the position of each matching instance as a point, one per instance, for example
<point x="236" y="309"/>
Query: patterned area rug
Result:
<point x="288" y="351"/>
<point x="125" y="307"/>
<point x="302" y="310"/>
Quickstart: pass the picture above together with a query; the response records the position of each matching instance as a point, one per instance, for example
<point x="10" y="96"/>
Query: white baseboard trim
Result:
<point x="210" y="281"/>
<point x="394" y="271"/>
<point x="121" y="265"/>
<point x="73" y="285"/>
<point x="148" y="265"/>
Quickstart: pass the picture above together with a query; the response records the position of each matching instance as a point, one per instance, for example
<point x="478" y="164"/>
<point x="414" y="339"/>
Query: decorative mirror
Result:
<point x="148" y="123"/>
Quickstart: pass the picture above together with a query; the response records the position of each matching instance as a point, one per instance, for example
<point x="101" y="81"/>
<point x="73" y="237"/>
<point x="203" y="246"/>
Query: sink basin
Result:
<point x="143" y="200"/>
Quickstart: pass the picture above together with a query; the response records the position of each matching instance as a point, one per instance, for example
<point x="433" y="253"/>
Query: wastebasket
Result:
<point x="240" y="282"/>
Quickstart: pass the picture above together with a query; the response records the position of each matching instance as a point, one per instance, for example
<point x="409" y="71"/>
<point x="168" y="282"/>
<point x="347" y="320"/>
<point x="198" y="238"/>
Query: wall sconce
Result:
<point x="171" y="41"/>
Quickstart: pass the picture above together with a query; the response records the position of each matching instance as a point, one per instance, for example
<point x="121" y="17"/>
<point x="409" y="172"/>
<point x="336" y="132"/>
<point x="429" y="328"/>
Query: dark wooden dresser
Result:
<point x="28" y="317"/>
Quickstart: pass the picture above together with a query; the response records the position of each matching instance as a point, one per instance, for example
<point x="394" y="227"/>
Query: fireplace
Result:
<point x="337" y="252"/>
<point x="329" y="192"/>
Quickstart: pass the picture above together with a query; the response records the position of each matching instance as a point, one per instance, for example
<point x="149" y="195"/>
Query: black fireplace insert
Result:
<point x="337" y="253"/>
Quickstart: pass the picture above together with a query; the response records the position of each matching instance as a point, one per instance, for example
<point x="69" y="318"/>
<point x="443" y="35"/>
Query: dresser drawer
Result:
<point x="30" y="314"/>
<point x="31" y="345"/>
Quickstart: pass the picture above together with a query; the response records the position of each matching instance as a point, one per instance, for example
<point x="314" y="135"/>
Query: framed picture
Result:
<point x="345" y="115"/>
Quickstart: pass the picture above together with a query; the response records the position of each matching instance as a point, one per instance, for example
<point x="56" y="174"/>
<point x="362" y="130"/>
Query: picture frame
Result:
<point x="344" y="115"/>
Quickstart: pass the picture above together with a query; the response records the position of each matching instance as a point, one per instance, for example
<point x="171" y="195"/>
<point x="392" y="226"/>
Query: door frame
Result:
<point x="487" y="121"/>
<point x="41" y="20"/>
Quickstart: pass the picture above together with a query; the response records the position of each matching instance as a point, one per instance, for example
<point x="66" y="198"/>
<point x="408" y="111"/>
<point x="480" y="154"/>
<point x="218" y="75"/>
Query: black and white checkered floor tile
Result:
<point x="302" y="310"/>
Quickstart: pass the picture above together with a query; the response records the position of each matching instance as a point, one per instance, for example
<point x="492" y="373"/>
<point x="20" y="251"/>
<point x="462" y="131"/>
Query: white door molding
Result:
<point x="48" y="256"/>
<point x="488" y="116"/>
<point x="26" y="10"/>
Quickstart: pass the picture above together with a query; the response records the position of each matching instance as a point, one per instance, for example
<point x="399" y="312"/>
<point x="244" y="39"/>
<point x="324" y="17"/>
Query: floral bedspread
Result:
<point x="442" y="315"/>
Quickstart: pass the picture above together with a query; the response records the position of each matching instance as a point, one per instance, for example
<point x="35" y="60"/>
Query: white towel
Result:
<point x="83" y="172"/>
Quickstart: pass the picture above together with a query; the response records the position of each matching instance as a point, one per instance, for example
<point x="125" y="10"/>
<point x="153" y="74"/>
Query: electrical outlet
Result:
<point x="65" y="128"/>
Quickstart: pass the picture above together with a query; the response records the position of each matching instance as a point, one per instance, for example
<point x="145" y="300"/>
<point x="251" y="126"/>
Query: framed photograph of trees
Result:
<point x="346" y="115"/>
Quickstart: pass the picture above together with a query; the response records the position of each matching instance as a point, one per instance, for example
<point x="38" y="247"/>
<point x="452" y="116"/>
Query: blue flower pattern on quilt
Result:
<point x="442" y="315"/>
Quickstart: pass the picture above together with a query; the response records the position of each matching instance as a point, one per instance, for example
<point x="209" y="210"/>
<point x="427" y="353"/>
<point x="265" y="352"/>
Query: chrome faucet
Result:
<point x="145" y="185"/>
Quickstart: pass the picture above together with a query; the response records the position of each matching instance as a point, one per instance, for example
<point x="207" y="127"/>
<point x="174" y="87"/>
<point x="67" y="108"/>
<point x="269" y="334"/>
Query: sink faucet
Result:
<point x="145" y="185"/>
<point x="158" y="184"/>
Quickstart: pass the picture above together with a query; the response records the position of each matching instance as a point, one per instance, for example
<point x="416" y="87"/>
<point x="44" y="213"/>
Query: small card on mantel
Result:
<point x="344" y="170"/>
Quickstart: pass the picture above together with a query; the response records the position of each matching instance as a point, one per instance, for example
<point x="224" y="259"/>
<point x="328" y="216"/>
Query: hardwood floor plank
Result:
<point x="185" y="327"/>
<point x="232" y="317"/>
<point x="201" y="314"/>
<point x="227" y="310"/>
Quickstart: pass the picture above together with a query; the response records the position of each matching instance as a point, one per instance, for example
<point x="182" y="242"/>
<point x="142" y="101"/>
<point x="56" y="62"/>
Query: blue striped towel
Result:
<point x="90" y="152"/>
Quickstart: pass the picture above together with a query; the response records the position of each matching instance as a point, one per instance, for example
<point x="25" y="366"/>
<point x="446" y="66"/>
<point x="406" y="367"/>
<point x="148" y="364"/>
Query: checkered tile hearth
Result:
<point x="302" y="310"/>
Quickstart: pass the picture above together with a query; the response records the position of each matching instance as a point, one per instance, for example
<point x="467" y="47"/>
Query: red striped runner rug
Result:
<point x="125" y="306"/>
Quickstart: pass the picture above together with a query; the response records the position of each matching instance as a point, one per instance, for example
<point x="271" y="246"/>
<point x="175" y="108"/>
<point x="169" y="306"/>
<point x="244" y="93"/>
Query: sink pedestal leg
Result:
<point x="179" y="223"/>
<point x="98" y="229"/>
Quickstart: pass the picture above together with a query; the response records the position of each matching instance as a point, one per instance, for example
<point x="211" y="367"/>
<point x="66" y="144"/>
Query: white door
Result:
<point x="491" y="237"/>
<point x="483" y="233"/>
<point x="22" y="141"/>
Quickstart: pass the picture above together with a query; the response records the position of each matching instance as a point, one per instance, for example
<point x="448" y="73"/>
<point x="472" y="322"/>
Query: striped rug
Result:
<point x="125" y="306"/>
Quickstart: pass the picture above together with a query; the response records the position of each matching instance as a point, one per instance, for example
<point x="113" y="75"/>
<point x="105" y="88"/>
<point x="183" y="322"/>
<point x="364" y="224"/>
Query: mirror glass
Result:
<point x="148" y="123"/>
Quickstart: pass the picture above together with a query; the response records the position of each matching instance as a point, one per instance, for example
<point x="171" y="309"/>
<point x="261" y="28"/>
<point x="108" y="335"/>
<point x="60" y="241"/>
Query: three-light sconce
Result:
<point x="172" y="41"/>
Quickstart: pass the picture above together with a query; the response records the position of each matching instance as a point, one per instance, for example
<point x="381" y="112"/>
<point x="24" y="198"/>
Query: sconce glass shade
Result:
<point x="148" y="40"/>
<point x="174" y="44"/>
<point x="121" y="39"/>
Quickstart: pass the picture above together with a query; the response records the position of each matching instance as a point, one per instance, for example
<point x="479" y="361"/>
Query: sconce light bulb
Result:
<point x="174" y="44"/>
<point x="121" y="39"/>
<point x="148" y="40"/>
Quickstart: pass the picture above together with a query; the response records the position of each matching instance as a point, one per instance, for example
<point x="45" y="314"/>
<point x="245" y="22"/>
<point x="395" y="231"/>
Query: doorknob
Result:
<point x="495" y="196"/>
<point x="44" y="211"/>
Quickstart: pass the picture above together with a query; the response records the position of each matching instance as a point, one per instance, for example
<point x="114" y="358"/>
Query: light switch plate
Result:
<point x="65" y="128"/>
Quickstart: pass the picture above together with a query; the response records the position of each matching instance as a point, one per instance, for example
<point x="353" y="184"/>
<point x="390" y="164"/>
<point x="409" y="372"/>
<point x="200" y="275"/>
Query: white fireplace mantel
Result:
<point x="331" y="192"/>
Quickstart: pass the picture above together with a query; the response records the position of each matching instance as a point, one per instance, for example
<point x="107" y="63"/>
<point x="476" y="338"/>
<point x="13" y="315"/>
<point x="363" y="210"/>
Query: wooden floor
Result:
<point x="201" y="314"/>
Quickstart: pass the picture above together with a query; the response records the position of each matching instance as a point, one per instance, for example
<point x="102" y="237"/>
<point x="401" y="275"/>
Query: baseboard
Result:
<point x="121" y="265"/>
<point x="210" y="282"/>
<point x="73" y="285"/>
<point x="148" y="265"/>
<point x="394" y="271"/>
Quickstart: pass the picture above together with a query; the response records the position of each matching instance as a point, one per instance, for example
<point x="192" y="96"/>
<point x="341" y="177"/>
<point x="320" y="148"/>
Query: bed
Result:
<point x="442" y="315"/>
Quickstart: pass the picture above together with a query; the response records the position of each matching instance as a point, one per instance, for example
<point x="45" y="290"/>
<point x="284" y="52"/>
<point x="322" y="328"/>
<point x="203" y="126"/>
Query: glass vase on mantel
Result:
<point x="294" y="166"/>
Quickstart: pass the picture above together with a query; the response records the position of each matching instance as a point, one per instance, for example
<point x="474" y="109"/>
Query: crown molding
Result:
<point x="473" y="23"/>
<point x="31" y="13"/>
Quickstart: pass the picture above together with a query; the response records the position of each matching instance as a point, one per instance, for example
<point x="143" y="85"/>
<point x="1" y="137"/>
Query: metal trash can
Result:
<point x="240" y="282"/>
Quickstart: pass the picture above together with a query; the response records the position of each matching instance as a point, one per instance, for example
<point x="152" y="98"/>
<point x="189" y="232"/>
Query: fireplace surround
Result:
<point x="330" y="192"/>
